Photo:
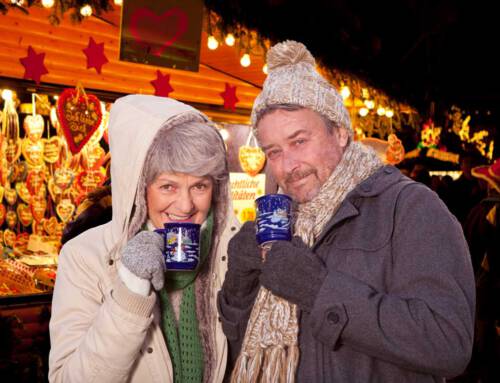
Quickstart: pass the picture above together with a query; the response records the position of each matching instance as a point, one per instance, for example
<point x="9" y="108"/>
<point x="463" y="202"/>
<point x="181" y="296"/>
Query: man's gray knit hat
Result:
<point x="293" y="79"/>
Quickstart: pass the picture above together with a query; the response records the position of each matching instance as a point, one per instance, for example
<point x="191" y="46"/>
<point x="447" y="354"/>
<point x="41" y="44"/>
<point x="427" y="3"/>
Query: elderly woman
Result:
<point x="117" y="314"/>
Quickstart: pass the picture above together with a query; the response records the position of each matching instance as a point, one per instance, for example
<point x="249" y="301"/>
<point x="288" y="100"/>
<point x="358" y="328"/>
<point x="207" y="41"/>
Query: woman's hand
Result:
<point x="143" y="257"/>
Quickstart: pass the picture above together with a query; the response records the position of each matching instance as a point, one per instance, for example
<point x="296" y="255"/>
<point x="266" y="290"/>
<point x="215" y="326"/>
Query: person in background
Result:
<point x="117" y="313"/>
<point x="378" y="276"/>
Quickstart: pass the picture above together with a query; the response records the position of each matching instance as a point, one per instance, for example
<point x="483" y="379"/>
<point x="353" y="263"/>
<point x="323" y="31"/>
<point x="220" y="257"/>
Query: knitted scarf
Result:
<point x="184" y="341"/>
<point x="270" y="351"/>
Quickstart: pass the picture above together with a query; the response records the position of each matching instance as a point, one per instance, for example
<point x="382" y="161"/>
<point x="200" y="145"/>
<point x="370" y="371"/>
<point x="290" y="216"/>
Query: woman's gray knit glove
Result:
<point x="143" y="257"/>
<point x="292" y="271"/>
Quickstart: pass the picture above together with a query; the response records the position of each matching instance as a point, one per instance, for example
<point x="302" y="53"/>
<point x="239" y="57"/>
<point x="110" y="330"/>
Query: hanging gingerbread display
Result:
<point x="79" y="115"/>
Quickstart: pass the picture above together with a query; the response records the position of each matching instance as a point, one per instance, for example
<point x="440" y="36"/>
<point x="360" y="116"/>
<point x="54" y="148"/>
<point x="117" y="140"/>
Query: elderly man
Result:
<point x="378" y="274"/>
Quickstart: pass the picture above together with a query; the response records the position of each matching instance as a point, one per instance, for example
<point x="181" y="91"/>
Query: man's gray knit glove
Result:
<point x="143" y="257"/>
<point x="292" y="271"/>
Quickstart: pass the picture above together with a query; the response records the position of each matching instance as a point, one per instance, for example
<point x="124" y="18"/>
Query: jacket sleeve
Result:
<point x="95" y="335"/>
<point x="423" y="320"/>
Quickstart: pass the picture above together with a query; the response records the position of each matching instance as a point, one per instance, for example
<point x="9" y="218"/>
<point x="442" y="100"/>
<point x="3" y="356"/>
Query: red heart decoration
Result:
<point x="80" y="116"/>
<point x="89" y="180"/>
<point x="140" y="27"/>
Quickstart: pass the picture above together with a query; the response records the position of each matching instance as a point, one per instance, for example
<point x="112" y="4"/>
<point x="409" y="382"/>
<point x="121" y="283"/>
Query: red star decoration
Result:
<point x="95" y="55"/>
<point x="33" y="65"/>
<point x="229" y="96"/>
<point x="162" y="84"/>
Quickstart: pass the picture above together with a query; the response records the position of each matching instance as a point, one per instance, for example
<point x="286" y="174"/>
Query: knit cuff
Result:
<point x="132" y="302"/>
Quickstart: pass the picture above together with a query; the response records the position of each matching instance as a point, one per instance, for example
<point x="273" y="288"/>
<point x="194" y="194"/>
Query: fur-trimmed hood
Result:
<point x="133" y="124"/>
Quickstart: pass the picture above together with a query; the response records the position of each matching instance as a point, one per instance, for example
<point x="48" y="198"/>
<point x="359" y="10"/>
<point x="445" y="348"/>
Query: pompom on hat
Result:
<point x="293" y="79"/>
<point x="490" y="173"/>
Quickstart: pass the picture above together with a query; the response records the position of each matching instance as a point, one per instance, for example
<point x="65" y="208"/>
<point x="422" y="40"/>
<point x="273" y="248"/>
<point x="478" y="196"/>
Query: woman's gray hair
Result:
<point x="186" y="144"/>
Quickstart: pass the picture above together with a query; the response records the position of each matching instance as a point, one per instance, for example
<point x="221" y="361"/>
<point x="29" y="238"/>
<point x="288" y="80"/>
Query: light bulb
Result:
<point x="224" y="133"/>
<point x="381" y="111"/>
<point x="370" y="104"/>
<point x="230" y="39"/>
<point x="363" y="111"/>
<point x="119" y="2"/>
<point x="345" y="92"/>
<point x="86" y="10"/>
<point x="47" y="3"/>
<point x="389" y="113"/>
<point x="245" y="60"/>
<point x="264" y="69"/>
<point x="7" y="94"/>
<point x="212" y="43"/>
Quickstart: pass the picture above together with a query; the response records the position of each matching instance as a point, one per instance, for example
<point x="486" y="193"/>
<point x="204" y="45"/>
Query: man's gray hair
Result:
<point x="329" y="124"/>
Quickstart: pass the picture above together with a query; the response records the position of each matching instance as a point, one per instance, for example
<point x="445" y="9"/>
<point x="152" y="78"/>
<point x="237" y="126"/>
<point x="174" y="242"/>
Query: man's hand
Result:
<point x="244" y="261"/>
<point x="143" y="257"/>
<point x="293" y="272"/>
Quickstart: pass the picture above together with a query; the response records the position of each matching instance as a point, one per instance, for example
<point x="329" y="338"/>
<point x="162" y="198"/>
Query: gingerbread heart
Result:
<point x="38" y="226"/>
<point x="38" y="206"/>
<point x="92" y="155"/>
<point x="3" y="213"/>
<point x="24" y="214"/>
<point x="54" y="191"/>
<point x="9" y="238"/>
<point x="63" y="178"/>
<point x="12" y="150"/>
<point x="21" y="242"/>
<point x="21" y="171"/>
<point x="90" y="179"/>
<point x="50" y="225"/>
<point x="10" y="196"/>
<point x="11" y="218"/>
<point x="2" y="190"/>
<point x="59" y="230"/>
<point x="51" y="149"/>
<point x="23" y="192"/>
<point x="33" y="152"/>
<point x="33" y="126"/>
<point x="80" y="115"/>
<point x="252" y="159"/>
<point x="65" y="209"/>
<point x="35" y="180"/>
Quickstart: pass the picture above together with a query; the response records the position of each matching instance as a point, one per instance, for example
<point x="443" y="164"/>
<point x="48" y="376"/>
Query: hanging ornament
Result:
<point x="38" y="206"/>
<point x="33" y="152"/>
<point x="11" y="219"/>
<point x="34" y="124"/>
<point x="18" y="172"/>
<point x="252" y="158"/>
<point x="63" y="178"/>
<point x="10" y="196"/>
<point x="50" y="225"/>
<point x="37" y="226"/>
<point x="35" y="180"/>
<point x="9" y="238"/>
<point x="88" y="180"/>
<point x="80" y="115"/>
<point x="65" y="210"/>
<point x="54" y="191"/>
<point x="10" y="131"/>
<point x="3" y="214"/>
<point x="51" y="149"/>
<point x="24" y="214"/>
<point x="23" y="192"/>
<point x="21" y="243"/>
<point x="92" y="155"/>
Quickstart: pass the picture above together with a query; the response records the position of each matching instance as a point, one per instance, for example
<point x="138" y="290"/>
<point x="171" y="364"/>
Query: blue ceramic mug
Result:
<point x="273" y="221"/>
<point x="182" y="245"/>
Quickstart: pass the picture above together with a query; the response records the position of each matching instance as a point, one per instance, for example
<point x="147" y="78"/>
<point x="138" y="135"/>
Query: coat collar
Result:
<point x="374" y="185"/>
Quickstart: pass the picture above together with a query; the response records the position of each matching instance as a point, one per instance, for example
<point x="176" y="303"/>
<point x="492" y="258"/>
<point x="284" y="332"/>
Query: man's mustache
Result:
<point x="298" y="175"/>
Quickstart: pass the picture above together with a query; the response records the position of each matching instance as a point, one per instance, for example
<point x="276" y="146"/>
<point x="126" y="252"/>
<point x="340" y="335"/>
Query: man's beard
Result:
<point x="297" y="176"/>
